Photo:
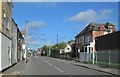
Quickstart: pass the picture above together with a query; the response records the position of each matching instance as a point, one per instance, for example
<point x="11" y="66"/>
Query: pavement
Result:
<point x="108" y="70"/>
<point x="53" y="66"/>
<point x="98" y="68"/>
<point x="14" y="70"/>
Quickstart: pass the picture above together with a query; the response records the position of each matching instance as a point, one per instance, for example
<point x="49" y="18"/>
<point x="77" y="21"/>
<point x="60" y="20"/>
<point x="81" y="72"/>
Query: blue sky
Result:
<point x="47" y="19"/>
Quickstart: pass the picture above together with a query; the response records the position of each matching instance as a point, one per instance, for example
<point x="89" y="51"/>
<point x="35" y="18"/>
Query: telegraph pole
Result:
<point x="26" y="41"/>
<point x="57" y="38"/>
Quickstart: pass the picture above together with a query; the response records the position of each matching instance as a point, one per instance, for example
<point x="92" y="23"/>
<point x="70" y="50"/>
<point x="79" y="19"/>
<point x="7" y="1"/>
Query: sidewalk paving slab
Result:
<point x="16" y="69"/>
<point x="112" y="71"/>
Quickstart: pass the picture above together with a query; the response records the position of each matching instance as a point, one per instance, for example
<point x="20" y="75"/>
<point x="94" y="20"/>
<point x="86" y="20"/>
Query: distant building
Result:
<point x="67" y="52"/>
<point x="5" y="34"/>
<point x="85" y="40"/>
<point x="67" y="49"/>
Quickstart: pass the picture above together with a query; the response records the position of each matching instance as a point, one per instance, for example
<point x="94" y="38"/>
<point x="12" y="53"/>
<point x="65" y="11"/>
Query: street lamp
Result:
<point x="26" y="42"/>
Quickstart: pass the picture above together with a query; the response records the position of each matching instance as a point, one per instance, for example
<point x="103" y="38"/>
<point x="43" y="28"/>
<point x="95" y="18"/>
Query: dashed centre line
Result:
<point x="58" y="69"/>
<point x="52" y="65"/>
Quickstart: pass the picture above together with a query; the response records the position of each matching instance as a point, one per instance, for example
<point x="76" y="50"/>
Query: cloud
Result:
<point x="105" y="13"/>
<point x="91" y="15"/>
<point x="37" y="24"/>
<point x="88" y="15"/>
<point x="32" y="25"/>
<point x="33" y="40"/>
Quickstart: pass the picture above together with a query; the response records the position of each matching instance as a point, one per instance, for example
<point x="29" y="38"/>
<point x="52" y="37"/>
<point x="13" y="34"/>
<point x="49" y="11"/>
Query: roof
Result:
<point x="94" y="27"/>
<point x="23" y="32"/>
<point x="71" y="43"/>
<point x="108" y="23"/>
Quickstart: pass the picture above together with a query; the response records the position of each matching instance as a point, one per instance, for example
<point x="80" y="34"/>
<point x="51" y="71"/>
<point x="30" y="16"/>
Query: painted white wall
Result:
<point x="5" y="52"/>
<point x="67" y="48"/>
<point x="105" y="33"/>
<point x="61" y="50"/>
<point x="23" y="46"/>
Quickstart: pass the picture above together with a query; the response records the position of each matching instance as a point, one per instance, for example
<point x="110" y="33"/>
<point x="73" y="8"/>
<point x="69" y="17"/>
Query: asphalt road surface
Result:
<point x="52" y="66"/>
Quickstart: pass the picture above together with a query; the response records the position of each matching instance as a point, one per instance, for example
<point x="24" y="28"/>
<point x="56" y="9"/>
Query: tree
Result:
<point x="45" y="48"/>
<point x="62" y="45"/>
<point x="71" y="41"/>
<point x="56" y="48"/>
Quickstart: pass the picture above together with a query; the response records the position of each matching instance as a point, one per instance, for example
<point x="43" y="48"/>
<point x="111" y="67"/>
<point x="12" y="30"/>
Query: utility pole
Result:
<point x="57" y="38"/>
<point x="49" y="49"/>
<point x="26" y="41"/>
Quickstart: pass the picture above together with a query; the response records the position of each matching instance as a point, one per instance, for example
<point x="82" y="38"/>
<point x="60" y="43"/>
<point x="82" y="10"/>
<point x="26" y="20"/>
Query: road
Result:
<point x="52" y="66"/>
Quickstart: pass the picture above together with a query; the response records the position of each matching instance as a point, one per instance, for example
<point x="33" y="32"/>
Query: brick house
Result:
<point x="19" y="45"/>
<point x="5" y="34"/>
<point x="85" y="40"/>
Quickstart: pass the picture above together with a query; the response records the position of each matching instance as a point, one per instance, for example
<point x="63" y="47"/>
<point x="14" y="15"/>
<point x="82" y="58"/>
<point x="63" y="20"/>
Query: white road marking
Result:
<point x="45" y="62"/>
<point x="15" y="73"/>
<point x="1" y="75"/>
<point x="58" y="69"/>
<point x="52" y="65"/>
<point x="49" y="63"/>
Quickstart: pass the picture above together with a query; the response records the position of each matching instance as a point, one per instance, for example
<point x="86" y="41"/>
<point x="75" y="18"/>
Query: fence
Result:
<point x="103" y="57"/>
<point x="84" y="56"/>
<point x="108" y="56"/>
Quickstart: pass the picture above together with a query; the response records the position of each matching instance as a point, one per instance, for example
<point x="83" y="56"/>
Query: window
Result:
<point x="98" y="28"/>
<point x="89" y="50"/>
<point x="79" y="40"/>
<point x="7" y="22"/>
<point x="88" y="38"/>
<point x="85" y="49"/>
<point x="82" y="39"/>
<point x="68" y="48"/>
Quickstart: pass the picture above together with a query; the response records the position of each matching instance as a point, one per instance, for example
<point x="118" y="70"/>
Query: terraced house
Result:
<point x="5" y="33"/>
<point x="85" y="40"/>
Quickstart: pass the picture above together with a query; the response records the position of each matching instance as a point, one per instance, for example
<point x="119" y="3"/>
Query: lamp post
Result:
<point x="26" y="42"/>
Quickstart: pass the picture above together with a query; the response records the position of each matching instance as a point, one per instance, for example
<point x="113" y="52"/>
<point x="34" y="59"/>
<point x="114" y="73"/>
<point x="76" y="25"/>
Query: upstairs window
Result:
<point x="98" y="28"/>
<point x="7" y="22"/>
<point x="83" y="39"/>
<point x="6" y="19"/>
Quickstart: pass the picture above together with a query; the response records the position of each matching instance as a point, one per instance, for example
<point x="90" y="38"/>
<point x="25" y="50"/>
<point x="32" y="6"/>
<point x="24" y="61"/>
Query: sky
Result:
<point x="67" y="19"/>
